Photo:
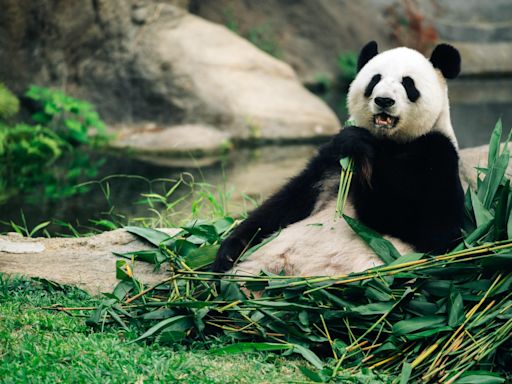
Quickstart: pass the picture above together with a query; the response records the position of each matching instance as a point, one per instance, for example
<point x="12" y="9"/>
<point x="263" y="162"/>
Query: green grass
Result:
<point x="43" y="346"/>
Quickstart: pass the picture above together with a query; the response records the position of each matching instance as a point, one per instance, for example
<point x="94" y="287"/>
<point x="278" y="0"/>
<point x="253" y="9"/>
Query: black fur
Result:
<point x="414" y="193"/>
<point x="368" y="52"/>
<point x="410" y="88"/>
<point x="373" y="82"/>
<point x="447" y="59"/>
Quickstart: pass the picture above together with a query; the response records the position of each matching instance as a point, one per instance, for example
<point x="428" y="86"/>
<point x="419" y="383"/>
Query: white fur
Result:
<point x="431" y="112"/>
<point x="322" y="244"/>
<point x="319" y="245"/>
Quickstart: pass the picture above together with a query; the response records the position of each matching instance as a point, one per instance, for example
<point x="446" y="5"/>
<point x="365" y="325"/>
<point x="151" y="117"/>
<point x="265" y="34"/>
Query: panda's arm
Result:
<point x="296" y="200"/>
<point x="426" y="172"/>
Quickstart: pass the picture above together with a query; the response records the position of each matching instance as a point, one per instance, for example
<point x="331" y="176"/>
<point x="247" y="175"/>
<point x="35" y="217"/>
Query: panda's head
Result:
<point x="401" y="94"/>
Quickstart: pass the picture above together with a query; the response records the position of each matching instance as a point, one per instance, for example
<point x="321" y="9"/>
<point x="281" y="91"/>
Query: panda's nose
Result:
<point x="384" y="102"/>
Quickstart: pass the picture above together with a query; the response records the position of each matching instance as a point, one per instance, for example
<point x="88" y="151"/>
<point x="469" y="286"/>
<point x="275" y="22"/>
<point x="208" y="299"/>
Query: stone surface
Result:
<point x="311" y="34"/>
<point x="148" y="61"/>
<point x="187" y="139"/>
<point x="87" y="262"/>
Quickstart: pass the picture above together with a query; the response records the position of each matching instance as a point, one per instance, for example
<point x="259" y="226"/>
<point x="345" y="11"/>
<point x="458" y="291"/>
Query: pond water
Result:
<point x="255" y="172"/>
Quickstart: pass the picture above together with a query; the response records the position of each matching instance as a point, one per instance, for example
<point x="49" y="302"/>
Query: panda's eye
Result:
<point x="410" y="88"/>
<point x="373" y="82"/>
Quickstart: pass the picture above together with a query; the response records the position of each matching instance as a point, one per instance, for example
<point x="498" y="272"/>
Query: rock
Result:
<point x="180" y="140"/>
<point x="140" y="15"/>
<point x="476" y="58"/>
<point x="11" y="246"/>
<point x="310" y="35"/>
<point x="156" y="63"/>
<point x="217" y="77"/>
<point x="87" y="262"/>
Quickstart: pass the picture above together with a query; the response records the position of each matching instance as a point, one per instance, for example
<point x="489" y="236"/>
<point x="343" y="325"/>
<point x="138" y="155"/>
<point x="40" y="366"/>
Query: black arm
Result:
<point x="296" y="200"/>
<point x="415" y="193"/>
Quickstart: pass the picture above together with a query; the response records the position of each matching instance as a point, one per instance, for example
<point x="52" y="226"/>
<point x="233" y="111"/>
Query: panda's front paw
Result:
<point x="355" y="142"/>
<point x="228" y="253"/>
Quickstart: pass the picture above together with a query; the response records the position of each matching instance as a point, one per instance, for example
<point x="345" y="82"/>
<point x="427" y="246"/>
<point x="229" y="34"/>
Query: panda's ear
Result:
<point x="367" y="53"/>
<point x="447" y="59"/>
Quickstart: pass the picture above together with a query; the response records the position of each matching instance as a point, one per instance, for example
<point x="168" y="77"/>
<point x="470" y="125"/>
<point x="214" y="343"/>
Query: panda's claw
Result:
<point x="229" y="251"/>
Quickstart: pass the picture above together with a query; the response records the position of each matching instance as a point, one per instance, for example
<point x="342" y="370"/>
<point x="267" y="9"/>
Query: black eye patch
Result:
<point x="410" y="88"/>
<point x="373" y="82"/>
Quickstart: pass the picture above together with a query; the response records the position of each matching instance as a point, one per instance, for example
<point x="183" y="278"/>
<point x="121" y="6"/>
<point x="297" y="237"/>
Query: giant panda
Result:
<point x="406" y="183"/>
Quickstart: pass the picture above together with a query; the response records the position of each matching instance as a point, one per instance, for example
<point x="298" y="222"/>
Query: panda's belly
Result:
<point x="319" y="245"/>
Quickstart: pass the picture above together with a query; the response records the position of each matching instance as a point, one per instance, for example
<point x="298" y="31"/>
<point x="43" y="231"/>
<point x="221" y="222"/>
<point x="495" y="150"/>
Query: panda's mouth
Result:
<point x="385" y="121"/>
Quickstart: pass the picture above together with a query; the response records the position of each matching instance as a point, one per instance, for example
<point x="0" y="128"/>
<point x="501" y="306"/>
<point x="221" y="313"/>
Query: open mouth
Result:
<point x="385" y="121"/>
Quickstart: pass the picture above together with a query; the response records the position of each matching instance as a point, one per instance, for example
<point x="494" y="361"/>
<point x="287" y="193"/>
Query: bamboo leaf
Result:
<point x="158" y="327"/>
<point x="382" y="247"/>
<point x="455" y="309"/>
<point x="154" y="236"/>
<point x="482" y="215"/>
<point x="405" y="327"/>
<point x="406" y="373"/>
<point x="480" y="377"/>
<point x="250" y="347"/>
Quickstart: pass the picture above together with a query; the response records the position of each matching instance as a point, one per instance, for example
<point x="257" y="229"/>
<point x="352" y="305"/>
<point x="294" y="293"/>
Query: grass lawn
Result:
<point x="42" y="346"/>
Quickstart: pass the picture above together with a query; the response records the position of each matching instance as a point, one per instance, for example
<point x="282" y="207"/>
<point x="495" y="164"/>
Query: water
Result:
<point x="475" y="107"/>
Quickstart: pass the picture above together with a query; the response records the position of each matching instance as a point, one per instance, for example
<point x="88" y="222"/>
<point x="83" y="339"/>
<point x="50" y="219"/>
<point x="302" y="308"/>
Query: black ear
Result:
<point x="367" y="53"/>
<point x="447" y="59"/>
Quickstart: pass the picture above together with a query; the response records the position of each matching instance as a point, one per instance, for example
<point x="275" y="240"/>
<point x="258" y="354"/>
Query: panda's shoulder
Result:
<point x="436" y="143"/>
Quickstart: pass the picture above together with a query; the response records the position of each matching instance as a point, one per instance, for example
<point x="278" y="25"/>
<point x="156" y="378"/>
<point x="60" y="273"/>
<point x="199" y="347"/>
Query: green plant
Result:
<point x="53" y="345"/>
<point x="417" y="317"/>
<point x="33" y="156"/>
<point x="76" y="121"/>
<point x="9" y="103"/>
<point x="347" y="64"/>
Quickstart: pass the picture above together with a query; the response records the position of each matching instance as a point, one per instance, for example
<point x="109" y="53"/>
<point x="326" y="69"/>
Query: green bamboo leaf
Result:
<point x="482" y="215"/>
<point x="373" y="308"/>
<point x="204" y="232"/>
<point x="407" y="258"/>
<point x="38" y="227"/>
<point x="494" y="143"/>
<point x="152" y="235"/>
<point x="480" y="377"/>
<point x="311" y="375"/>
<point x="405" y="327"/>
<point x="427" y="333"/>
<point x="223" y="224"/>
<point x="122" y="268"/>
<point x="405" y="375"/>
<point x="308" y="355"/>
<point x="455" y="309"/>
<point x="202" y="256"/>
<point x="382" y="247"/>
<point x="158" y="327"/>
<point x="250" y="347"/>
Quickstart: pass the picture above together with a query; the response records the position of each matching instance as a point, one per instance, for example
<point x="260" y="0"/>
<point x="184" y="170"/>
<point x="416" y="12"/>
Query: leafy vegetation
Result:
<point x="418" y="318"/>
<point x="55" y="346"/>
<point x="61" y="131"/>
<point x="334" y="91"/>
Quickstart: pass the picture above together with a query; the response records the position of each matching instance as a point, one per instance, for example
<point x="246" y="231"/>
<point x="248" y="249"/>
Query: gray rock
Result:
<point x="180" y="140"/>
<point x="168" y="68"/>
<point x="87" y="262"/>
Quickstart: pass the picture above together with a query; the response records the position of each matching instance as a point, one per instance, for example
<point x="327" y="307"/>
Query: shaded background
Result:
<point x="180" y="82"/>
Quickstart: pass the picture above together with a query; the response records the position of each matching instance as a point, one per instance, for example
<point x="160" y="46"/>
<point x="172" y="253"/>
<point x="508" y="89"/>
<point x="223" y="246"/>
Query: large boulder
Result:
<point x="146" y="62"/>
